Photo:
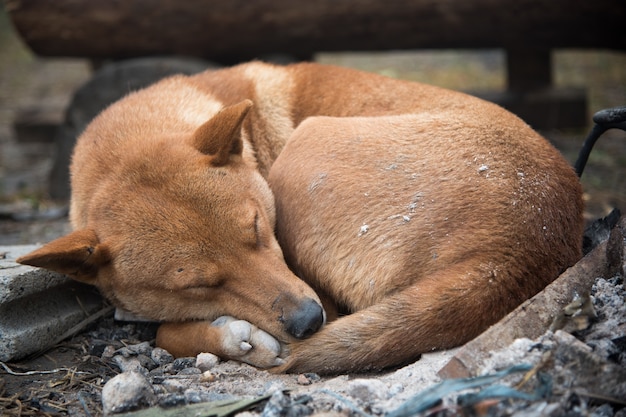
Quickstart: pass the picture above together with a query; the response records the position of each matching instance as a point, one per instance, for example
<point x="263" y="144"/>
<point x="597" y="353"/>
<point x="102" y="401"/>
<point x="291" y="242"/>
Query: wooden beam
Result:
<point x="231" y="30"/>
<point x="529" y="69"/>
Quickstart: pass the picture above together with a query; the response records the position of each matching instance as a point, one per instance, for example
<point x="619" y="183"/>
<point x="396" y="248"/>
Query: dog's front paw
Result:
<point x="247" y="343"/>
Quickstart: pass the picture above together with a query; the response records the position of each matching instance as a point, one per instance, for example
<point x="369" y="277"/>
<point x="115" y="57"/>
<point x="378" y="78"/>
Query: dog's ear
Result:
<point x="220" y="137"/>
<point x="78" y="255"/>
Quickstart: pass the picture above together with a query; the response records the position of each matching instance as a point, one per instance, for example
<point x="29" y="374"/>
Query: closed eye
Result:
<point x="257" y="231"/>
<point x="201" y="288"/>
<point x="198" y="292"/>
<point x="197" y="286"/>
<point x="197" y="280"/>
<point x="261" y="237"/>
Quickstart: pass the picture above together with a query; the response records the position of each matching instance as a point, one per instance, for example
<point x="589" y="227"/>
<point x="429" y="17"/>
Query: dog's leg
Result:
<point x="225" y="337"/>
<point x="440" y="311"/>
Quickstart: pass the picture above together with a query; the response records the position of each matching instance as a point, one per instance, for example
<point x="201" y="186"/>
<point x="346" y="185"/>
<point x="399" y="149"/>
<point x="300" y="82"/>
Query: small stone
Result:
<point x="208" y="376"/>
<point x="142" y="348"/>
<point x="156" y="375"/>
<point x="146" y="362"/>
<point x="129" y="364"/>
<point x="303" y="380"/>
<point x="126" y="392"/>
<point x="189" y="371"/>
<point x="161" y="356"/>
<point x="206" y="361"/>
<point x="182" y="363"/>
<point x="313" y="377"/>
<point x="173" y="385"/>
<point x="277" y="406"/>
<point x="172" y="400"/>
<point x="193" y="396"/>
<point x="282" y="405"/>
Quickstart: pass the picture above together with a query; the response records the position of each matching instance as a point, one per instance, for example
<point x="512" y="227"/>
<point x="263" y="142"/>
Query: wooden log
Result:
<point x="233" y="30"/>
<point x="535" y="316"/>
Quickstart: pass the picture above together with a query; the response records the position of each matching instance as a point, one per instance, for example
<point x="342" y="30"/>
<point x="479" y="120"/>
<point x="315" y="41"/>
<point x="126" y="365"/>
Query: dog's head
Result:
<point x="183" y="230"/>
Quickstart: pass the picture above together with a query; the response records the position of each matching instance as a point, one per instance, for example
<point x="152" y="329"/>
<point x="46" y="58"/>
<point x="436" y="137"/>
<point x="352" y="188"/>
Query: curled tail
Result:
<point x="439" y="312"/>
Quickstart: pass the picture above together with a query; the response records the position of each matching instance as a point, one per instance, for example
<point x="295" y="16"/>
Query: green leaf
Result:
<point x="209" y="409"/>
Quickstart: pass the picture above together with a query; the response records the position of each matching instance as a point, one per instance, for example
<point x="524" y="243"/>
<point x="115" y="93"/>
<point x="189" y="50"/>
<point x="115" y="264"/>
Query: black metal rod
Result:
<point x="583" y="155"/>
<point x="614" y="118"/>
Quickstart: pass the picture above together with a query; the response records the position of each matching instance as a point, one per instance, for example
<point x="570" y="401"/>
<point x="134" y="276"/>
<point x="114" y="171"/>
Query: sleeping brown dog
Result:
<point x="357" y="220"/>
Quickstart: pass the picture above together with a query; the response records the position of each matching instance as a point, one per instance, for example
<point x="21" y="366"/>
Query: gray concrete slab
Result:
<point x="37" y="306"/>
<point x="18" y="281"/>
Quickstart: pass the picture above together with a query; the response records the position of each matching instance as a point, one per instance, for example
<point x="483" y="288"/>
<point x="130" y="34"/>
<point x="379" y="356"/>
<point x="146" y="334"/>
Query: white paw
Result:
<point x="247" y="343"/>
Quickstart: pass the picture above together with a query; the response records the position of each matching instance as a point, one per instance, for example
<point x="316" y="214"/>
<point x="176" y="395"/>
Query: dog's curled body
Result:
<point x="402" y="222"/>
<point x="423" y="214"/>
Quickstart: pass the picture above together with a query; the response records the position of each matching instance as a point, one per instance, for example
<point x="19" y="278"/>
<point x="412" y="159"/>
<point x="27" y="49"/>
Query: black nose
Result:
<point x="306" y="320"/>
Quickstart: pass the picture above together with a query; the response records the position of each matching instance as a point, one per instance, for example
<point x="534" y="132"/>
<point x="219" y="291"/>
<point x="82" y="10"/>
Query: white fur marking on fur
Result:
<point x="187" y="104"/>
<point x="273" y="87"/>
<point x="199" y="112"/>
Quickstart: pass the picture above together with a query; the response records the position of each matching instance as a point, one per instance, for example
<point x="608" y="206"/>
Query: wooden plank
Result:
<point x="226" y="30"/>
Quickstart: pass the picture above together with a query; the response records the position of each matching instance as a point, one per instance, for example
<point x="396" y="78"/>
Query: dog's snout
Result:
<point x="306" y="320"/>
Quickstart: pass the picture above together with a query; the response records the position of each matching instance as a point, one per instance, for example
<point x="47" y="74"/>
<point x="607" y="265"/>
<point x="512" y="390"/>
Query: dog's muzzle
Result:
<point x="306" y="320"/>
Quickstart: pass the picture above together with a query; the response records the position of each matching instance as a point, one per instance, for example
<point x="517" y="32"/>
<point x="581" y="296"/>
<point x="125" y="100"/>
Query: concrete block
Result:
<point x="37" y="306"/>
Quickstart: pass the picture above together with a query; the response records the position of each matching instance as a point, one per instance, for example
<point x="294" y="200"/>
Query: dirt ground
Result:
<point x="27" y="216"/>
<point x="578" y="372"/>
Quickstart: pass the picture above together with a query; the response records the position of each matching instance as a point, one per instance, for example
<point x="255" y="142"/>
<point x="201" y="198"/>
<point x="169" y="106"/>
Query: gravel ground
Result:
<point x="115" y="368"/>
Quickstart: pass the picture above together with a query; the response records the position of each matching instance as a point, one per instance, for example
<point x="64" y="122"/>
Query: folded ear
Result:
<point x="220" y="137"/>
<point x="78" y="255"/>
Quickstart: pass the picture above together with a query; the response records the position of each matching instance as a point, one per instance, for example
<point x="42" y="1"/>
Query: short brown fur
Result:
<point x="423" y="214"/>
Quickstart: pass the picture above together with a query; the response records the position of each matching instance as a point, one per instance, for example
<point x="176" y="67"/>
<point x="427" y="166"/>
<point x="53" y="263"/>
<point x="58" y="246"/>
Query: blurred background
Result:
<point x="35" y="92"/>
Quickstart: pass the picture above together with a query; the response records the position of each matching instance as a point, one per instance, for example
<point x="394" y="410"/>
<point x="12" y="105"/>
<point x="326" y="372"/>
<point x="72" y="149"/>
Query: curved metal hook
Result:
<point x="614" y="118"/>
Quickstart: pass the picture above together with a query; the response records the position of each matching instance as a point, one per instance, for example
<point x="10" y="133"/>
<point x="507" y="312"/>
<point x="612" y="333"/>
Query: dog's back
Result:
<point x="427" y="227"/>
